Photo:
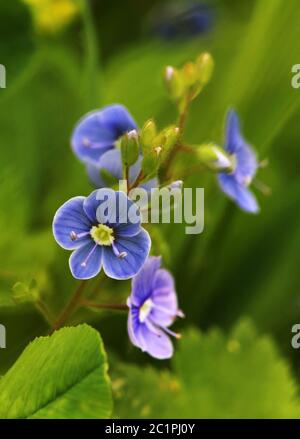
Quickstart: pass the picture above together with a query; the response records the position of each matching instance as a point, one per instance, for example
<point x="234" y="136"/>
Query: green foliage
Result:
<point x="61" y="376"/>
<point x="213" y="376"/>
<point x="239" y="265"/>
<point x="15" y="28"/>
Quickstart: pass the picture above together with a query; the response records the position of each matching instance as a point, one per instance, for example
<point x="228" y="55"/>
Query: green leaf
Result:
<point x="214" y="376"/>
<point x="61" y="376"/>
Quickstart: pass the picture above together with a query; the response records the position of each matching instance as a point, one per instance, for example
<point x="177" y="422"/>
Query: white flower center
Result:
<point x="145" y="309"/>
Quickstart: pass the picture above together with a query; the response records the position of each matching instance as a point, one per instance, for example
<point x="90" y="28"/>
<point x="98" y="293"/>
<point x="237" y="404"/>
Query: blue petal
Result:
<point x="239" y="193"/>
<point x="137" y="249"/>
<point x="141" y="288"/>
<point x="86" y="261"/>
<point x="94" y="174"/>
<point x="94" y="201"/>
<point x="90" y="206"/>
<point x="165" y="305"/>
<point x="97" y="131"/>
<point x="246" y="163"/>
<point x="71" y="217"/>
<point x="233" y="137"/>
<point x="109" y="161"/>
<point x="128" y="217"/>
<point x="116" y="211"/>
<point x="158" y="346"/>
<point x="133" y="324"/>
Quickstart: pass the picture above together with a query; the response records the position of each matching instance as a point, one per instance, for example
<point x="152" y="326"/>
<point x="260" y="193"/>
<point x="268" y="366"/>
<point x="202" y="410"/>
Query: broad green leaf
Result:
<point x="60" y="376"/>
<point x="213" y="376"/>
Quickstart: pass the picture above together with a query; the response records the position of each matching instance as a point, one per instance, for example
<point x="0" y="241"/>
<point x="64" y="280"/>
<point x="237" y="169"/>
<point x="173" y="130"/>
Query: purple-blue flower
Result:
<point x="152" y="309"/>
<point x="102" y="231"/>
<point x="94" y="142"/>
<point x="244" y="162"/>
<point x="98" y="131"/>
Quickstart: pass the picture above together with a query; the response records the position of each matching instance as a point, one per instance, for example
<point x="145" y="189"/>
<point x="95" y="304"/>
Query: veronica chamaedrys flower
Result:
<point x="152" y="309"/>
<point x="112" y="239"/>
<point x="235" y="184"/>
<point x="94" y="141"/>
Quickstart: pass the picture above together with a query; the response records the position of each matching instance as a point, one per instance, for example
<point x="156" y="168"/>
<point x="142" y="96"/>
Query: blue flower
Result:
<point x="108" y="235"/>
<point x="182" y="20"/>
<point x="244" y="162"/>
<point x="94" y="142"/>
<point x="152" y="309"/>
<point x="98" y="131"/>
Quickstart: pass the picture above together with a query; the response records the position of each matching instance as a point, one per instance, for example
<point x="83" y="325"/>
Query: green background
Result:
<point x="241" y="266"/>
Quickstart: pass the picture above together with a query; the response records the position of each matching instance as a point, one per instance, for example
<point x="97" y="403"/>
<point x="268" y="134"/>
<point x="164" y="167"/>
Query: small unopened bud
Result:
<point x="133" y="134"/>
<point x="215" y="158"/>
<point x="169" y="73"/>
<point x="130" y="148"/>
<point x="174" y="82"/>
<point x="205" y="66"/>
<point x="147" y="135"/>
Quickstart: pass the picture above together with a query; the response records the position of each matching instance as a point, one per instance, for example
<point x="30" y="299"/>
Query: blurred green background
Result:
<point x="63" y="60"/>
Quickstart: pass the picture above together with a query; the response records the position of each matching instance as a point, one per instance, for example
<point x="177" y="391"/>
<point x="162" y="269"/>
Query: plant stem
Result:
<point x="137" y="181"/>
<point x="70" y="307"/>
<point x="110" y="306"/>
<point x="181" y="125"/>
<point x="43" y="309"/>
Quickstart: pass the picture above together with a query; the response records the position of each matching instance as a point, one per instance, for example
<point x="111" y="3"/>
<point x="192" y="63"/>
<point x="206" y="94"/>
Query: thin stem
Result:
<point x="43" y="309"/>
<point x="126" y="176"/>
<point x="70" y="306"/>
<point x="181" y="125"/>
<point x="183" y="115"/>
<point x="110" y="306"/>
<point x="137" y="181"/>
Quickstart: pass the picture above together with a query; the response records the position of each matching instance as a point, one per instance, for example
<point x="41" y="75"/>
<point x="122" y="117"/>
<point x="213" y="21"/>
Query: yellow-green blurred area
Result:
<point x="65" y="58"/>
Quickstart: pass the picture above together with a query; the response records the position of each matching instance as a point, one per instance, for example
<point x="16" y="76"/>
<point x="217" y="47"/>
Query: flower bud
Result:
<point x="215" y="158"/>
<point x="130" y="148"/>
<point x="147" y="135"/>
<point x="204" y="66"/>
<point x="25" y="292"/>
<point x="174" y="83"/>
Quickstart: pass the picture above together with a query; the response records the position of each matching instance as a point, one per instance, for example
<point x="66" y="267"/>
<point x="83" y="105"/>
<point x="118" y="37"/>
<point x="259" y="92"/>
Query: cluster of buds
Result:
<point x="156" y="146"/>
<point x="186" y="83"/>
